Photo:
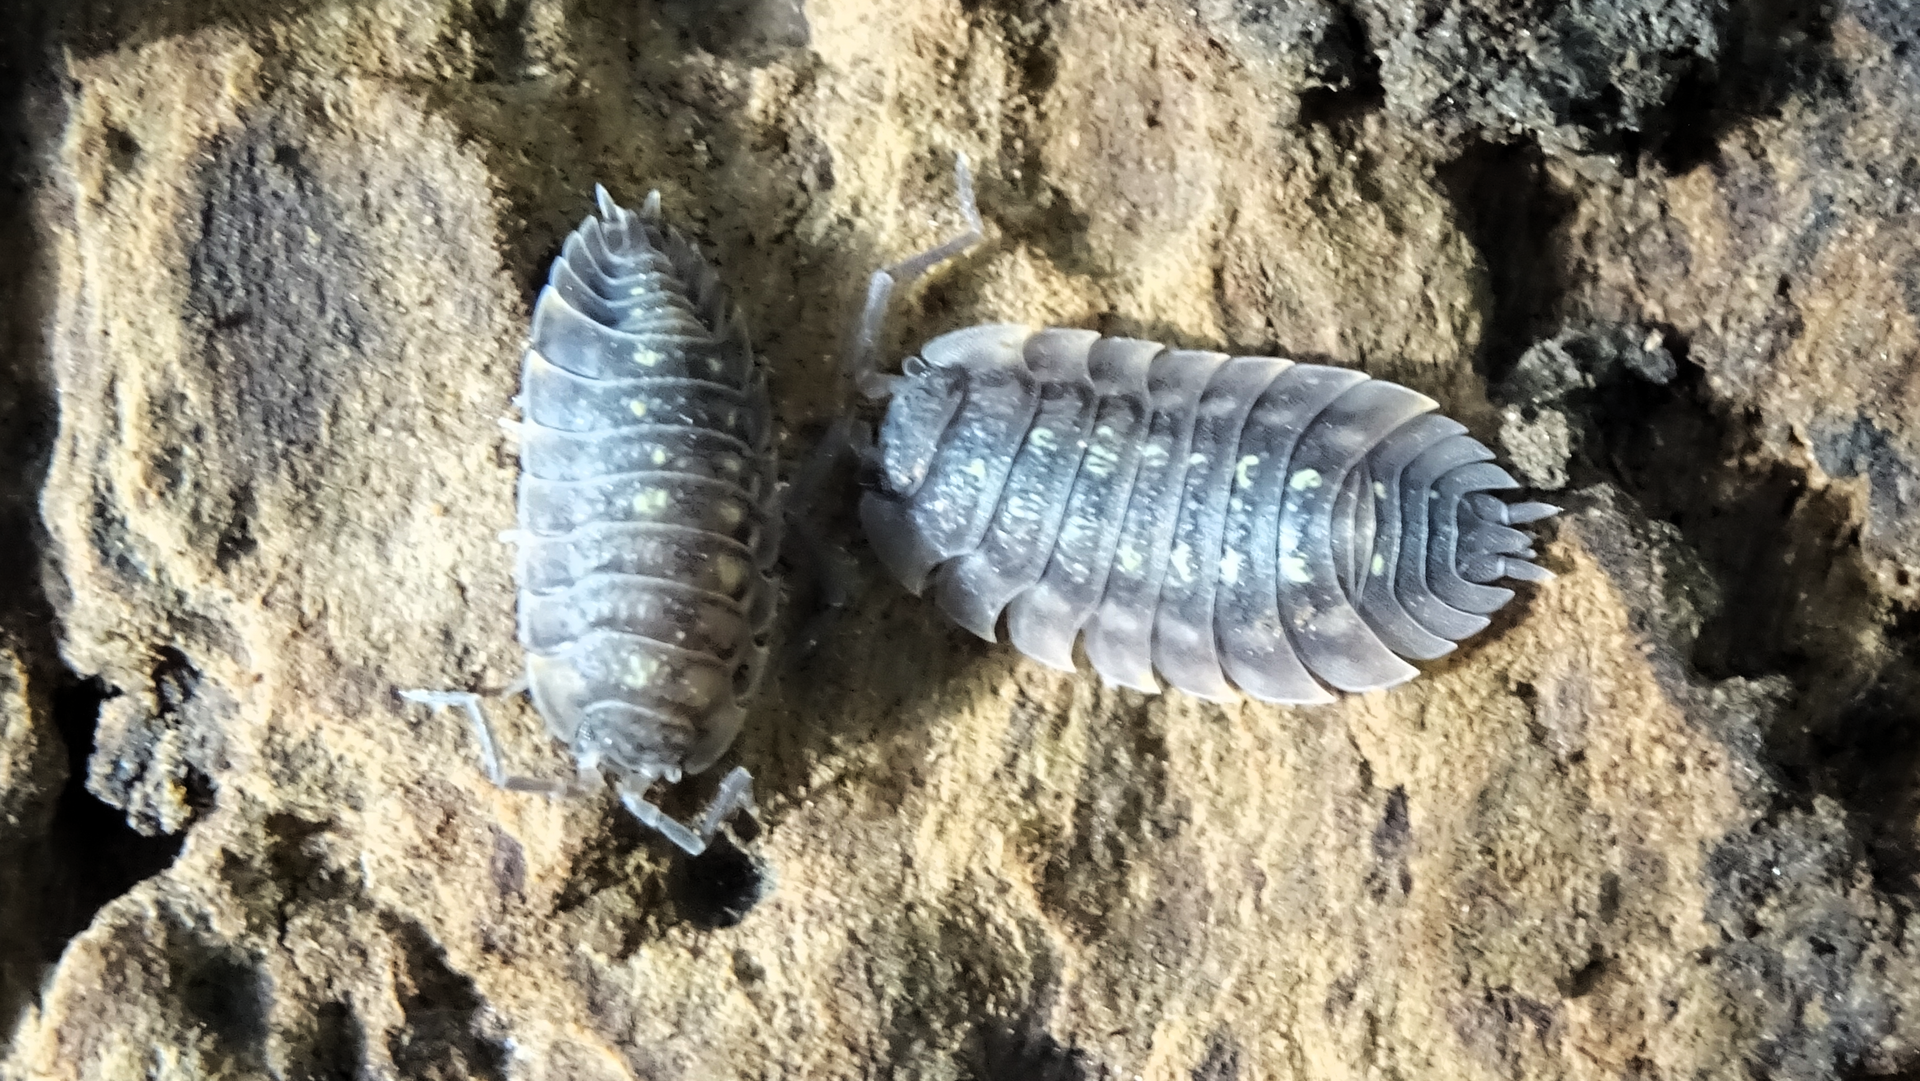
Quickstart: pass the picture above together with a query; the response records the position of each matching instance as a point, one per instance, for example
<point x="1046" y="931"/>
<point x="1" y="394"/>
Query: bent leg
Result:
<point x="735" y="794"/>
<point x="864" y="346"/>
<point x="489" y="748"/>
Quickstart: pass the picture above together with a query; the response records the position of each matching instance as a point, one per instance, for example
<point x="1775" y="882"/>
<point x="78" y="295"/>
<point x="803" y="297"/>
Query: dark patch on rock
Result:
<point x="1497" y="1026"/>
<point x="1023" y="1050"/>
<point x="1868" y="760"/>
<point x="281" y="288"/>
<point x="717" y="888"/>
<point x="1510" y="208"/>
<point x="1123" y="806"/>
<point x="1866" y="449"/>
<point x="331" y="1047"/>
<point x="1569" y="77"/>
<point x="509" y="867"/>
<point x="1223" y="1059"/>
<point x="159" y="751"/>
<point x="1345" y="74"/>
<point x="116" y="855"/>
<point x="448" y="1031"/>
<point x="225" y="993"/>
<point x="751" y="31"/>
<point x="93" y="27"/>
<point x="1392" y="874"/>
<point x="1802" y="951"/>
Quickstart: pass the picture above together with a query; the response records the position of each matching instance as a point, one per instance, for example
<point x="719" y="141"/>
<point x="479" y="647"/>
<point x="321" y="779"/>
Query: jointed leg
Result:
<point x="862" y="361"/>
<point x="736" y="793"/>
<point x="489" y="747"/>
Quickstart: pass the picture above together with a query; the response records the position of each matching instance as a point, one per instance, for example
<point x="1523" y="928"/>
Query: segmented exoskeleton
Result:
<point x="1244" y="522"/>
<point x="646" y="531"/>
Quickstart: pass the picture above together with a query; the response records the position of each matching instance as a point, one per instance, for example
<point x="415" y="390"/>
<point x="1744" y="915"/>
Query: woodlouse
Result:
<point x="646" y="529"/>
<point x="1244" y="522"/>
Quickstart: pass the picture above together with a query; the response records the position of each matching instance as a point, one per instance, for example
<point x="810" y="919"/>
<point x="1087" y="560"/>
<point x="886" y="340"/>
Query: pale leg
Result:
<point x="735" y="794"/>
<point x="864" y="346"/>
<point x="489" y="748"/>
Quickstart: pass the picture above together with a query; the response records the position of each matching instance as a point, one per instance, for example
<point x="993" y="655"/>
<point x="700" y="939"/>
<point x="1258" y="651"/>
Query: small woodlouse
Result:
<point x="646" y="528"/>
<point x="1231" y="522"/>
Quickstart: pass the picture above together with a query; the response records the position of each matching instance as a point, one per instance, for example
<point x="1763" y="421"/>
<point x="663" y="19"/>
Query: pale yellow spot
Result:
<point x="1294" y="568"/>
<point x="1379" y="490"/>
<point x="977" y="469"/>
<point x="1130" y="560"/>
<point x="1196" y="459"/>
<point x="1041" y="438"/>
<point x="729" y="514"/>
<point x="1101" y="460"/>
<point x="1242" y="473"/>
<point x="651" y="502"/>
<point x="647" y="358"/>
<point x="1304" y="479"/>
<point x="639" y="407"/>
<point x="659" y="456"/>
<point x="1379" y="564"/>
<point x="730" y="572"/>
<point x="641" y="671"/>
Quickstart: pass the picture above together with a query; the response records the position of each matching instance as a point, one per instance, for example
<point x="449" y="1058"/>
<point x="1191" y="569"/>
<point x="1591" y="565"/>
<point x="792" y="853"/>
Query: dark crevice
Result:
<point x="1769" y="51"/>
<point x="1792" y="594"/>
<point x="1343" y="104"/>
<point x="1510" y="209"/>
<point x="1797" y="599"/>
<point x="499" y="42"/>
<point x="100" y="856"/>
<point x="717" y="888"/>
<point x="448" y="1030"/>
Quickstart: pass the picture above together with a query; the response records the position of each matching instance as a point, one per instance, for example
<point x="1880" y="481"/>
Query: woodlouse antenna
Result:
<point x="863" y="350"/>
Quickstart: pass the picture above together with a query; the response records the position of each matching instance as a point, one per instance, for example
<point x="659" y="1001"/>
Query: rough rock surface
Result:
<point x="276" y="262"/>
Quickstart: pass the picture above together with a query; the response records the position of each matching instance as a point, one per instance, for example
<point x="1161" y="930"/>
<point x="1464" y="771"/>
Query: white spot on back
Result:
<point x="1230" y="567"/>
<point x="1182" y="558"/>
<point x="1304" y="479"/>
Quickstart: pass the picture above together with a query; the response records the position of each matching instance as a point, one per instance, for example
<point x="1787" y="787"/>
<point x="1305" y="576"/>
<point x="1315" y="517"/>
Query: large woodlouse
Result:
<point x="1244" y="522"/>
<point x="646" y="528"/>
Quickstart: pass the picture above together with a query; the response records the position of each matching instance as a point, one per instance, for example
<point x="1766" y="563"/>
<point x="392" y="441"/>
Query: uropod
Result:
<point x="1282" y="528"/>
<point x="646" y="530"/>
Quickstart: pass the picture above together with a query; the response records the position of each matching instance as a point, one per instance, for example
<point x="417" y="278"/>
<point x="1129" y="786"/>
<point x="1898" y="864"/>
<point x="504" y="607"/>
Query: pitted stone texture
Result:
<point x="295" y="256"/>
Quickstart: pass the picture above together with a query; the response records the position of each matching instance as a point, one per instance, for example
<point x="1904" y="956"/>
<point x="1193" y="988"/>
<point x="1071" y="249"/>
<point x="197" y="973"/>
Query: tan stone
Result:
<point x="295" y="262"/>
